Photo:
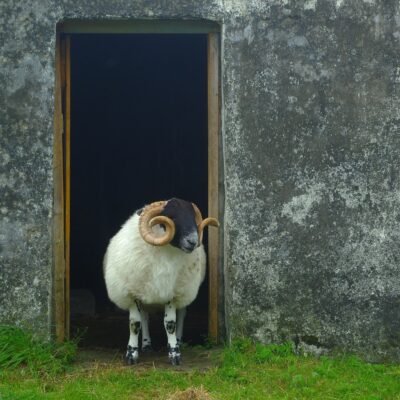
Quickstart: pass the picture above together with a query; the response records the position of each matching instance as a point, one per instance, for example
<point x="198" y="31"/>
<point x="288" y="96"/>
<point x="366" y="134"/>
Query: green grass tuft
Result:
<point x="20" y="348"/>
<point x="243" y="370"/>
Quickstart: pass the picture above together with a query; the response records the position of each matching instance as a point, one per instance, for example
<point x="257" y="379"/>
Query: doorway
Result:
<point x="136" y="129"/>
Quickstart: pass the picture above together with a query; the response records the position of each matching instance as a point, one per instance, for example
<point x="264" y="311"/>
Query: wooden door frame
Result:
<point x="61" y="163"/>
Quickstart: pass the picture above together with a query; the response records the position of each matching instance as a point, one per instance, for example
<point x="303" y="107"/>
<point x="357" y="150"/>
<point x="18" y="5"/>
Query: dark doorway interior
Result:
<point x="138" y="134"/>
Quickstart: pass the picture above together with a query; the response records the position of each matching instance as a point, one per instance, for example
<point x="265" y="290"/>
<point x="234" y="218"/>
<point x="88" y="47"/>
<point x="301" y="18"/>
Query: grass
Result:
<point x="242" y="371"/>
<point x="21" y="349"/>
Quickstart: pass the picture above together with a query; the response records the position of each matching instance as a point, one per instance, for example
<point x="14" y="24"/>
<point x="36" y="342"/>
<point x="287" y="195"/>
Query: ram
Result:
<point x="157" y="259"/>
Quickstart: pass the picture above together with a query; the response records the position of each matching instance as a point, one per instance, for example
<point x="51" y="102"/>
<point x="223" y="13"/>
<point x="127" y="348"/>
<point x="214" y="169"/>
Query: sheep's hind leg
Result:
<point x="174" y="354"/>
<point x="132" y="352"/>
<point x="181" y="313"/>
<point x="146" y="340"/>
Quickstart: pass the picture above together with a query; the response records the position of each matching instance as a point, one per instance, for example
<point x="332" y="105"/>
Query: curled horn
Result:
<point x="197" y="215"/>
<point x="149" y="217"/>
<point x="201" y="224"/>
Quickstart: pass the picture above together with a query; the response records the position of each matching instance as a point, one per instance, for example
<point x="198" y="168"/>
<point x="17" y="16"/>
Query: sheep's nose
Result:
<point x="192" y="242"/>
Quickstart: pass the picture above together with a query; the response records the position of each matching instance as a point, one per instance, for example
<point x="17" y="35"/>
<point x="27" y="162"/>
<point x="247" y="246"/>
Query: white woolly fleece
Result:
<point x="154" y="275"/>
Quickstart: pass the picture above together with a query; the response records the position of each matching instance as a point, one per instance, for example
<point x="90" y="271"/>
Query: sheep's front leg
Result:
<point x="132" y="352"/>
<point x="181" y="313"/>
<point x="174" y="354"/>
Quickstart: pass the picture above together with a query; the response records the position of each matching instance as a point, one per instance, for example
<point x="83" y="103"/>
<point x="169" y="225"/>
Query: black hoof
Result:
<point x="147" y="348"/>
<point x="174" y="355"/>
<point x="131" y="360"/>
<point x="175" y="360"/>
<point x="132" y="356"/>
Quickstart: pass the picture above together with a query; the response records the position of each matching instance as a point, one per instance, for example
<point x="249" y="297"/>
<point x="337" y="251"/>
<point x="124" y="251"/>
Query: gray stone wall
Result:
<point x="312" y="147"/>
<point x="311" y="153"/>
<point x="27" y="37"/>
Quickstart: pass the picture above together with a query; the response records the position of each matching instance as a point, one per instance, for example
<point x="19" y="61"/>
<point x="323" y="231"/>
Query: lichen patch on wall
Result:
<point x="300" y="207"/>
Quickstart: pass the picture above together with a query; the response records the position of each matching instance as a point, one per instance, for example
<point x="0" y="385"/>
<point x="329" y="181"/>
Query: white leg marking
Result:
<point x="132" y="353"/>
<point x="170" y="324"/>
<point x="170" y="327"/>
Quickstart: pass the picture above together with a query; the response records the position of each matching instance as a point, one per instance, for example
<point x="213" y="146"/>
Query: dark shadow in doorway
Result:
<point x="138" y="134"/>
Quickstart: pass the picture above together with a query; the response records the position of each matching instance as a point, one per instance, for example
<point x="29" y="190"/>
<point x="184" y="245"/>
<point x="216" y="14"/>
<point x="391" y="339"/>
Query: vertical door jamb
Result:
<point x="213" y="201"/>
<point x="61" y="174"/>
<point x="67" y="158"/>
<point x="58" y="207"/>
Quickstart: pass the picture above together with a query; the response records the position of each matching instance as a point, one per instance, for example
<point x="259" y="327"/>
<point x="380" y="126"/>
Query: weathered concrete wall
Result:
<point x="311" y="150"/>
<point x="27" y="39"/>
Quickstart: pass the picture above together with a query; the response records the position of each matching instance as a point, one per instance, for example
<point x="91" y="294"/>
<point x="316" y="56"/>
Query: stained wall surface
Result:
<point x="311" y="149"/>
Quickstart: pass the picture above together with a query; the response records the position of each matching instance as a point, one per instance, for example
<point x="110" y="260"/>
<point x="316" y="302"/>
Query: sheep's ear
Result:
<point x="139" y="212"/>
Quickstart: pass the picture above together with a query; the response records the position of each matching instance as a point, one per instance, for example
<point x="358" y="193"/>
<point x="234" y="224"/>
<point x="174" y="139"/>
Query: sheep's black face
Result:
<point x="182" y="213"/>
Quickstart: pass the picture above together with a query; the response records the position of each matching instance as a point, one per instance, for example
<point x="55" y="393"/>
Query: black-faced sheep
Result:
<point x="157" y="258"/>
